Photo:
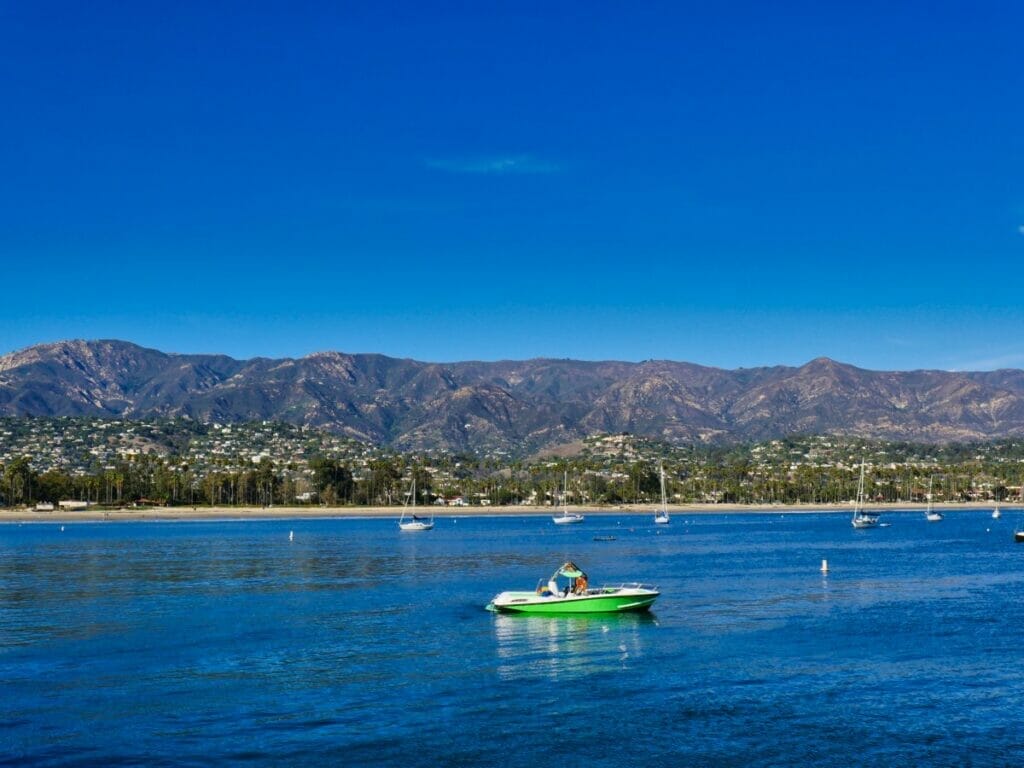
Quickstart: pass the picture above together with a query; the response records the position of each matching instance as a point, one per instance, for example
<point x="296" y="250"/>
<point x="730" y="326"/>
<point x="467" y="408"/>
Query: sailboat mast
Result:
<point x="664" y="503"/>
<point x="859" y="508"/>
<point x="860" y="488"/>
<point x="565" y="494"/>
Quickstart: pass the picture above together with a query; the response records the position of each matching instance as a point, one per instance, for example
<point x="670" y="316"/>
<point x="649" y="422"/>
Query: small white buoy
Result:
<point x="824" y="566"/>
<point x="291" y="535"/>
<point x="62" y="528"/>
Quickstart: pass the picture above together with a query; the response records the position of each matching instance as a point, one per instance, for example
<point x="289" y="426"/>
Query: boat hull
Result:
<point x="567" y="520"/>
<point x="866" y="523"/>
<point x="416" y="526"/>
<point x="615" y="601"/>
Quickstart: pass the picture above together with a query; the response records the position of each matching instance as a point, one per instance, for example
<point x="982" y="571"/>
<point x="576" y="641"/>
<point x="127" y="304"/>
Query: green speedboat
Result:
<point x="568" y="591"/>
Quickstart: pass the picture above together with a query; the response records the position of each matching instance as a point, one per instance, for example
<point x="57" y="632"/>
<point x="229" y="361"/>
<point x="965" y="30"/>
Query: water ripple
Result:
<point x="179" y="644"/>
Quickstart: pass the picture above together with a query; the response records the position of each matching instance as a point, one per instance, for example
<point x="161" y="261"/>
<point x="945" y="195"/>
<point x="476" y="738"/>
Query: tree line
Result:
<point x="387" y="481"/>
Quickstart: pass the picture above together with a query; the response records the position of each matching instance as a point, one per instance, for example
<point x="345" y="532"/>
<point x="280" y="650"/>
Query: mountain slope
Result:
<point x="515" y="406"/>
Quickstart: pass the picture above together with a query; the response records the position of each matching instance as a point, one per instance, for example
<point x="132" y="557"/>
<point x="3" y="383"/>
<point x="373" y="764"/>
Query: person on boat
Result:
<point x="581" y="585"/>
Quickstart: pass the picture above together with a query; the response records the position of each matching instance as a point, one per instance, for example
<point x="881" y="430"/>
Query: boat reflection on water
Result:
<point x="565" y="647"/>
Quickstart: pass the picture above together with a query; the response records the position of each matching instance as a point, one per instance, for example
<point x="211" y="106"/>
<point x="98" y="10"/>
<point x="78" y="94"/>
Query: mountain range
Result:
<point x="516" y="407"/>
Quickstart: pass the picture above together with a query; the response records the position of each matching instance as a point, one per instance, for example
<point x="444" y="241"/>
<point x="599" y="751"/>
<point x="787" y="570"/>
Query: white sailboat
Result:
<point x="661" y="517"/>
<point x="861" y="518"/>
<point x="931" y="515"/>
<point x="565" y="518"/>
<point x="996" y="514"/>
<point x="414" y="523"/>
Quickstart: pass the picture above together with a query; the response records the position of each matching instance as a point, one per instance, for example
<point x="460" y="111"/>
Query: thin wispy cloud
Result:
<point x="494" y="165"/>
<point x="897" y="341"/>
<point x="1009" y="360"/>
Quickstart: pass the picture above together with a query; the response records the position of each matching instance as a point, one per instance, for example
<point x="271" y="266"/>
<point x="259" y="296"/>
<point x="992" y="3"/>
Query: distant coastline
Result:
<point x="300" y="513"/>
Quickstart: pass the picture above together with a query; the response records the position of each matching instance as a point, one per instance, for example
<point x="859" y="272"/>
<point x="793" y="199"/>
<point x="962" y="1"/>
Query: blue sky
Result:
<point x="731" y="184"/>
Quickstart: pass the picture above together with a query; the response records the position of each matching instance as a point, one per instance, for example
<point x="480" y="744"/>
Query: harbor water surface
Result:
<point x="354" y="644"/>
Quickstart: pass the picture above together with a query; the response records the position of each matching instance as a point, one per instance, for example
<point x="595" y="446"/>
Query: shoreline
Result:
<point x="313" y="513"/>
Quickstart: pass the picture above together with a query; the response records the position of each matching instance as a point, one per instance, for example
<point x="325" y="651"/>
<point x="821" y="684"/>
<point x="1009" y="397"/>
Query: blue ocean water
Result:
<point x="188" y="643"/>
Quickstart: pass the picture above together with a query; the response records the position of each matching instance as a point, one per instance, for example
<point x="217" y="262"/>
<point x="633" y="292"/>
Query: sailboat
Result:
<point x="565" y="518"/>
<point x="861" y="518"/>
<point x="996" y="514"/>
<point x="415" y="523"/>
<point x="931" y="515"/>
<point x="661" y="517"/>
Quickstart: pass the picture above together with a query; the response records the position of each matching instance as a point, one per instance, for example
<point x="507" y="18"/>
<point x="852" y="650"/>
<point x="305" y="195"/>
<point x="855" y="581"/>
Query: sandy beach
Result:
<point x="309" y="512"/>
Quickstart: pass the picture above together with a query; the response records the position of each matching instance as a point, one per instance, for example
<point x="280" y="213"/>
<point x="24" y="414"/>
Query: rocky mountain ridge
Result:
<point x="511" y="406"/>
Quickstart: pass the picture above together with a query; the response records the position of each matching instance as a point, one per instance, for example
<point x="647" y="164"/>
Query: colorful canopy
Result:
<point x="570" y="571"/>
